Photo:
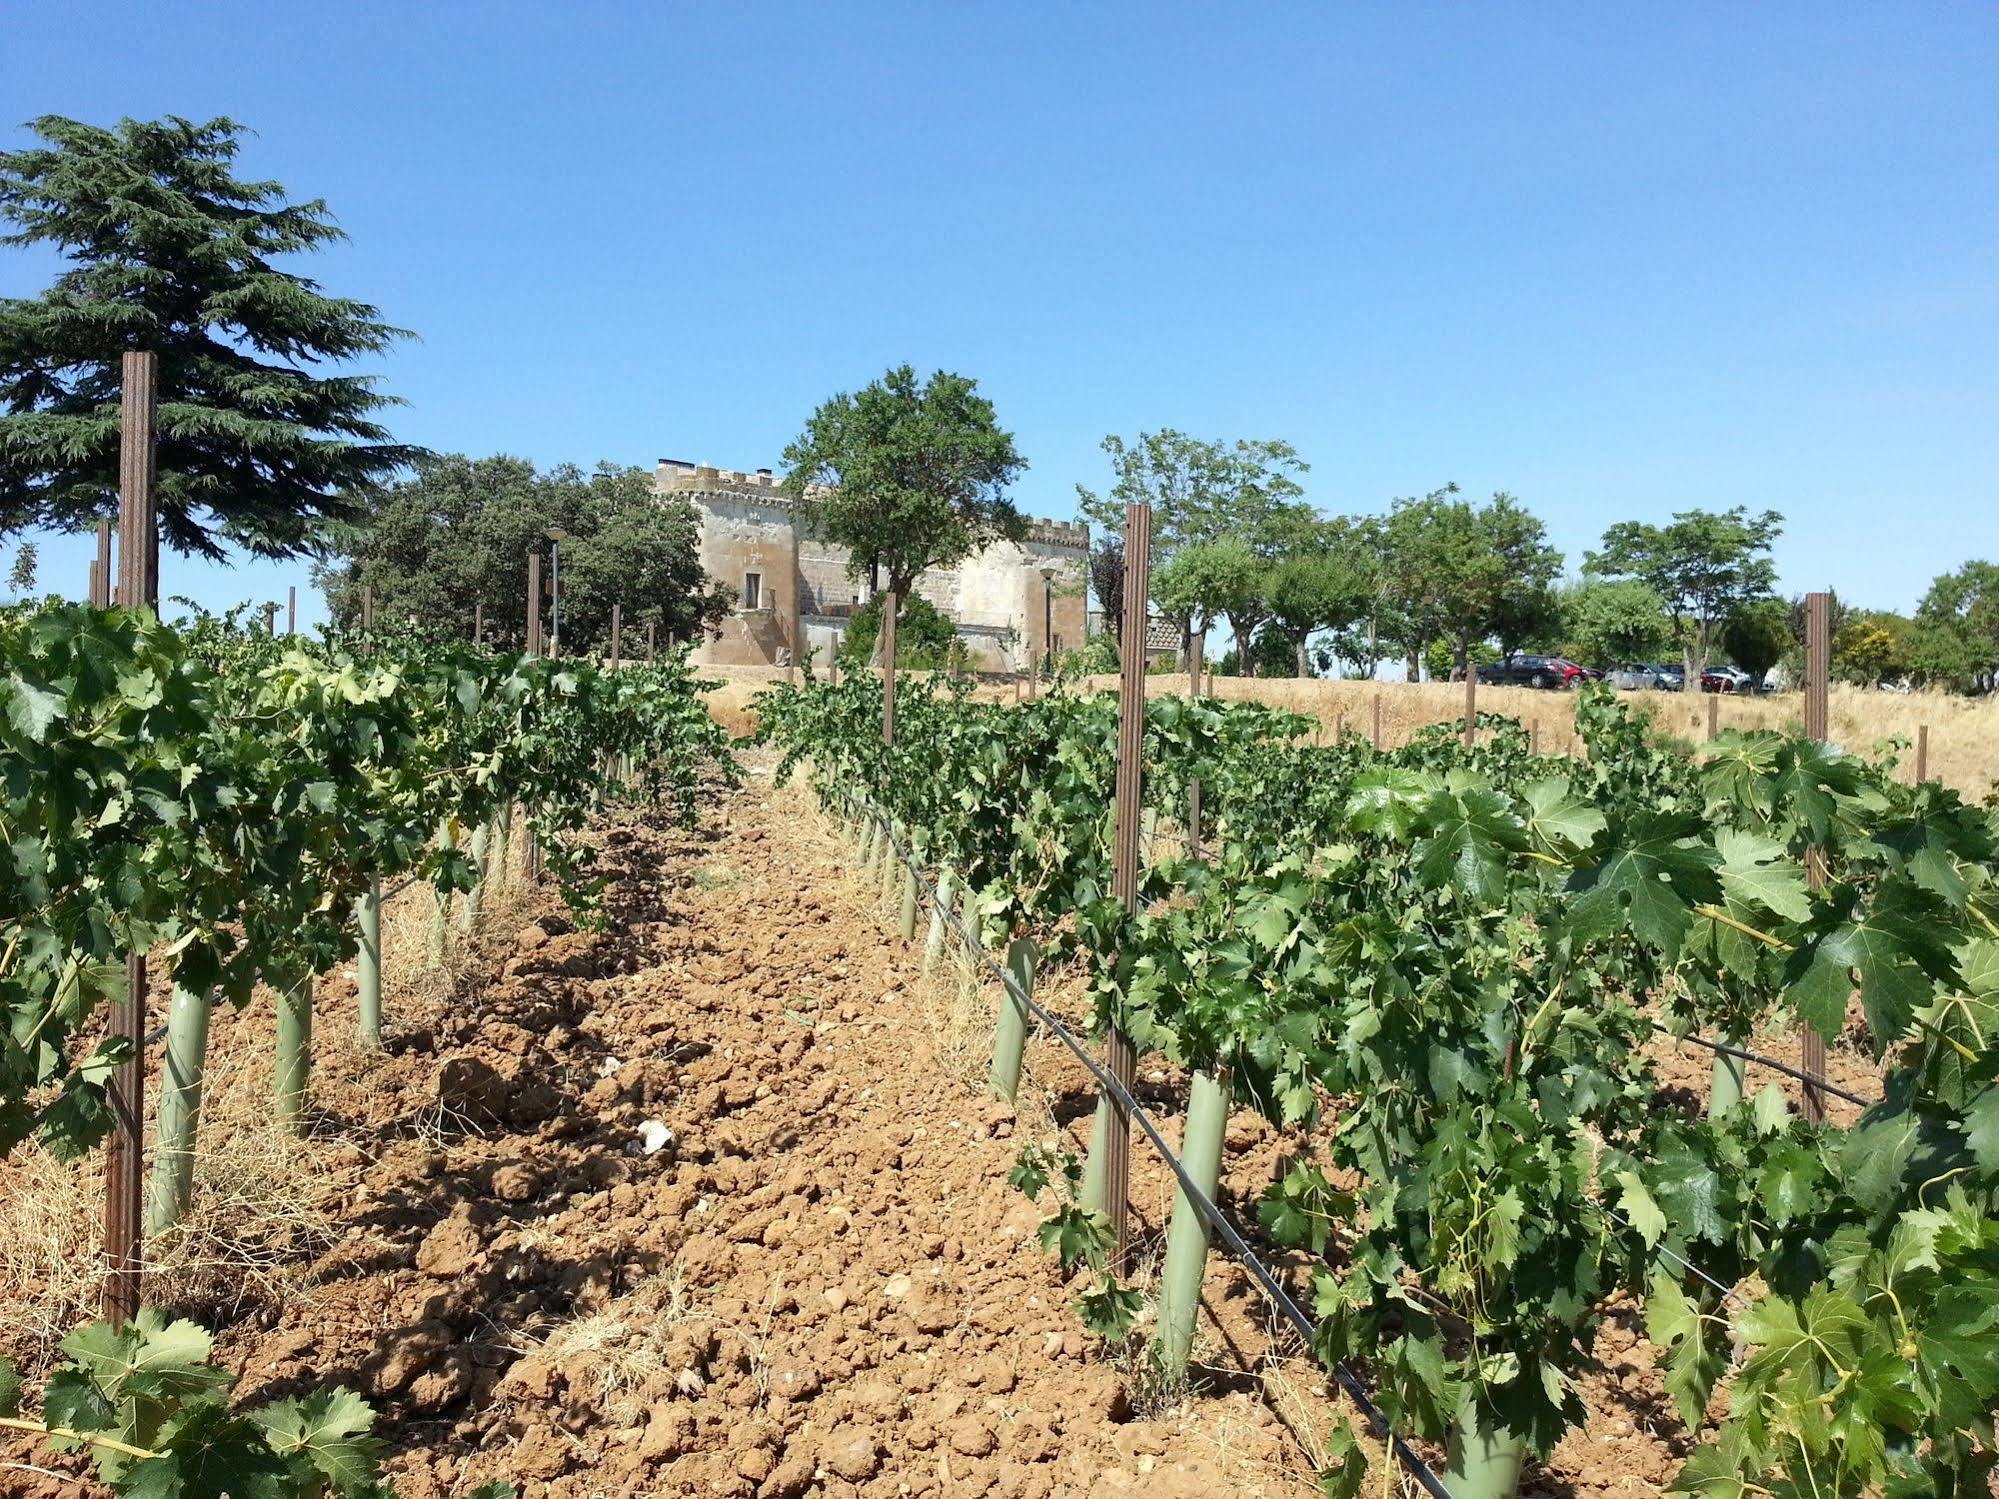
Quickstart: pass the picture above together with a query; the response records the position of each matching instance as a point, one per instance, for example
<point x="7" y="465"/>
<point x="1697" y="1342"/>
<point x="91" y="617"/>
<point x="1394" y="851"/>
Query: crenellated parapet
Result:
<point x="762" y="487"/>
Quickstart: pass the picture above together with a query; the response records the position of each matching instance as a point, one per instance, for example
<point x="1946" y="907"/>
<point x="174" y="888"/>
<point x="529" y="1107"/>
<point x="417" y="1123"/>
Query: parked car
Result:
<point x="1727" y="679"/>
<point x="1636" y="676"/>
<point x="1533" y="671"/>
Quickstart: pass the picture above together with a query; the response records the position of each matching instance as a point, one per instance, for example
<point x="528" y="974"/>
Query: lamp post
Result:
<point x="1048" y="615"/>
<point x="556" y="536"/>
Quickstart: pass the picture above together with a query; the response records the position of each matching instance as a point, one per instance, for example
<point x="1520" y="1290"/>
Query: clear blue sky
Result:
<point x="1616" y="260"/>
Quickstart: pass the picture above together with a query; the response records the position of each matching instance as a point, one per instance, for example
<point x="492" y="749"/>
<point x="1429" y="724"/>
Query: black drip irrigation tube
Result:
<point x="1237" y="1246"/>
<point x="1809" y="1079"/>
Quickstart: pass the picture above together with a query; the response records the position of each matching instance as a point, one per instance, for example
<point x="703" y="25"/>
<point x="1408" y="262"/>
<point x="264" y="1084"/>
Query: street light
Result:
<point x="1048" y="613"/>
<point x="556" y="536"/>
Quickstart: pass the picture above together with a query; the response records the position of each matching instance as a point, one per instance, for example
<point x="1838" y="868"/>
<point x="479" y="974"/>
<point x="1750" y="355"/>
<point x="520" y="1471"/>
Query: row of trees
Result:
<point x="1444" y="582"/>
<point x="1236" y="543"/>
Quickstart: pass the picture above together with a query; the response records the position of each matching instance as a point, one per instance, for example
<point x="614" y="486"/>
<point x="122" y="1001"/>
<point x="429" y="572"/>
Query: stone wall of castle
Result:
<point x="794" y="591"/>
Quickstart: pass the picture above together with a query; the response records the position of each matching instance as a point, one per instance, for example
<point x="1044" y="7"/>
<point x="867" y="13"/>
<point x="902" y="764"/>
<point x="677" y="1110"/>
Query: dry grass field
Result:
<point x="1964" y="732"/>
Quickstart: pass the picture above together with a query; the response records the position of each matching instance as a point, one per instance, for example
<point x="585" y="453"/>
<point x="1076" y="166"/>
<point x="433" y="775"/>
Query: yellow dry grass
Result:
<point x="249" y="1238"/>
<point x="1963" y="747"/>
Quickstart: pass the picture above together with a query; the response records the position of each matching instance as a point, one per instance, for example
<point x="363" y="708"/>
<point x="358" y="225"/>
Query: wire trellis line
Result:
<point x="1210" y="1213"/>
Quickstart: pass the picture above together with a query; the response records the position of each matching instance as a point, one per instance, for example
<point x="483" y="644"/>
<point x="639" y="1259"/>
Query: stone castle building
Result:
<point x="793" y="591"/>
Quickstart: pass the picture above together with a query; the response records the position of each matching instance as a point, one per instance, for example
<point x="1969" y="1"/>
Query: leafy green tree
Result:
<point x="459" y="531"/>
<point x="1603" y="624"/>
<point x="924" y="639"/>
<point x="1271" y="655"/>
<point x="1363" y="642"/>
<point x="171" y="252"/>
<point x="1874" y="646"/>
<point x="1458" y="570"/>
<point x="906" y="476"/>
<point x="1532" y="616"/>
<point x="1200" y="491"/>
<point x="21" y="576"/>
<point x="1315" y="590"/>
<point x="1107" y="583"/>
<point x="1211" y="580"/>
<point x="1960" y="614"/>
<point x="1704" y="565"/>
<point x="1757" y="636"/>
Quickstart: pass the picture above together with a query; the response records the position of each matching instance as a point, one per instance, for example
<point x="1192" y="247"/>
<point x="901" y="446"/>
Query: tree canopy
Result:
<point x="1704" y="565"/>
<point x="459" y="532"/>
<point x="1757" y="636"/>
<point x="1959" y="614"/>
<point x="1458" y="571"/>
<point x="1210" y="580"/>
<point x="169" y="251"/>
<point x="1204" y="492"/>
<point x="906" y="476"/>
<point x="1199" y="490"/>
<point x="1607" y="624"/>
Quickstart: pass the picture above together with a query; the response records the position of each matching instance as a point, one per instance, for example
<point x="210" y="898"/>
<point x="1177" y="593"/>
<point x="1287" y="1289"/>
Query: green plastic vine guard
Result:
<point x="933" y="940"/>
<point x="482" y="843"/>
<point x="294" y="1059"/>
<point x="1187" y="1238"/>
<point x="906" y="917"/>
<point x="368" y="963"/>
<point x="1730" y="1077"/>
<point x="440" y="911"/>
<point x="179" y="1110"/>
<point x="1091" y="1193"/>
<point x="891" y="868"/>
<point x="1483" y="1463"/>
<point x="968" y="963"/>
<point x="1010" y="1034"/>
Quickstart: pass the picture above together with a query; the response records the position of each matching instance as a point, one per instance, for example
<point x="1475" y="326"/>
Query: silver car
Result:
<point x="1636" y="676"/>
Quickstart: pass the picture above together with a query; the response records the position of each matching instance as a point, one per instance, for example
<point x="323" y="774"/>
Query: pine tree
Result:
<point x="171" y="252"/>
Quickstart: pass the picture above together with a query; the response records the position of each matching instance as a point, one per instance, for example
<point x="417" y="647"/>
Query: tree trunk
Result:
<point x="1304" y="667"/>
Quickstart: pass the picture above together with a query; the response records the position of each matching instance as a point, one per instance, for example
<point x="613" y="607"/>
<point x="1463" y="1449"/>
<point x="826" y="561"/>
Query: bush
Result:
<point x="1098" y="656"/>
<point x="924" y="639"/>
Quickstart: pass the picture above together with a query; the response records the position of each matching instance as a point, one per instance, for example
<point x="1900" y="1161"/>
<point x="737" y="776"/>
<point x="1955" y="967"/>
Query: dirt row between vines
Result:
<point x="704" y="1203"/>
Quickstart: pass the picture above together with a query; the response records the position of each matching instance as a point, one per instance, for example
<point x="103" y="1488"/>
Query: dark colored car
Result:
<point x="1534" y="671"/>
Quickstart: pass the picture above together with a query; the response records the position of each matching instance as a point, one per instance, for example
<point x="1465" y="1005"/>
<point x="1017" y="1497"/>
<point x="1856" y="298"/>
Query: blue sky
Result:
<point x="1616" y="260"/>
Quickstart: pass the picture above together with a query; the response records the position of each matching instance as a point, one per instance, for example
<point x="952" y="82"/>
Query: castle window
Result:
<point x="753" y="590"/>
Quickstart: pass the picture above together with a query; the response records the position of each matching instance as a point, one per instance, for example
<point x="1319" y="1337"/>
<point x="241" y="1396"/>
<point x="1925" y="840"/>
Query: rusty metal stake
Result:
<point x="139" y="587"/>
<point x="291" y="610"/>
<point x="1471" y="702"/>
<point x="1120" y="1056"/>
<point x="102" y="597"/>
<point x="1922" y="753"/>
<point x="617" y="632"/>
<point x="1818" y="678"/>
<point x="1377" y="720"/>
<point x="1713" y="714"/>
<point x="890" y="605"/>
